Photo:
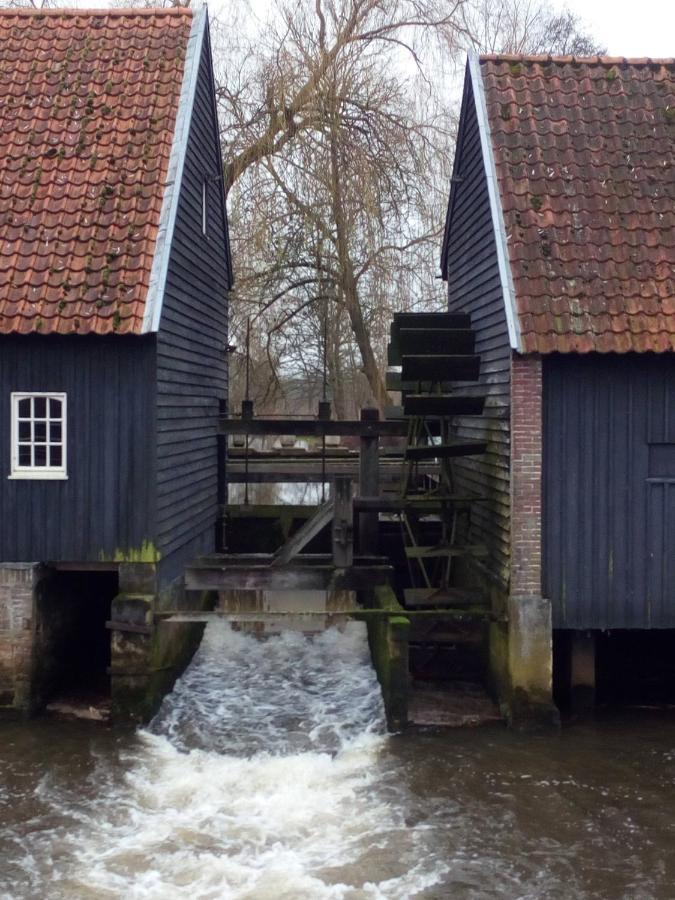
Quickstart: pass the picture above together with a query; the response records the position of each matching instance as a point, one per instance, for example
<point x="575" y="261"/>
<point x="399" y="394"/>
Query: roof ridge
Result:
<point x="581" y="60"/>
<point x="70" y="12"/>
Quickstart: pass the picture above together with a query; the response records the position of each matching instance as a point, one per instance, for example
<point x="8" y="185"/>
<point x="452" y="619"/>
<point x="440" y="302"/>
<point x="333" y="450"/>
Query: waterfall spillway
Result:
<point x="259" y="778"/>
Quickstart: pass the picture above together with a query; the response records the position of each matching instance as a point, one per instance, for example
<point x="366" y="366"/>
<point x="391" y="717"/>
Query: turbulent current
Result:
<point x="268" y="774"/>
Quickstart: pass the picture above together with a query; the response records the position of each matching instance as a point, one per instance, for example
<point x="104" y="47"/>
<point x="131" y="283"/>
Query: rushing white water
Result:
<point x="259" y="778"/>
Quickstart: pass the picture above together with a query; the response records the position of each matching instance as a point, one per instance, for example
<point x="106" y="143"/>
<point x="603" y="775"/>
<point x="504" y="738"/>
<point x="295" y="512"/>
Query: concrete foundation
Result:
<point x="521" y="663"/>
<point x="147" y="658"/>
<point x="388" y="639"/>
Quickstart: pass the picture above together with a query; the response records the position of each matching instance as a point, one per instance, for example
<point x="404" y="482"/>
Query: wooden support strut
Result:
<point x="369" y="485"/>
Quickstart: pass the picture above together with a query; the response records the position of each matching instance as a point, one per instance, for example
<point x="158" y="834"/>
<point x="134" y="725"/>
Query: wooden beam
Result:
<point x="305" y="534"/>
<point x="431" y="320"/>
<point x="271" y="468"/>
<point x="313" y="427"/>
<point x="187" y="615"/>
<point x="342" y="538"/>
<point x="286" y="578"/>
<point x="441" y="367"/>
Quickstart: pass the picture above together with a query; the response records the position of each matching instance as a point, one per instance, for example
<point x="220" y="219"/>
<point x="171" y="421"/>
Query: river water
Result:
<point x="268" y="774"/>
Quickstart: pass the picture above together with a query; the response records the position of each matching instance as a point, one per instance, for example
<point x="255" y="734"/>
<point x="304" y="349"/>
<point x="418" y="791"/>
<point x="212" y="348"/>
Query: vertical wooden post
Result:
<point x="343" y="523"/>
<point x="369" y="486"/>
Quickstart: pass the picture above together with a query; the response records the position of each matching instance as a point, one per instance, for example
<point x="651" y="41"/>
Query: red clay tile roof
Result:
<point x="584" y="153"/>
<point x="88" y="103"/>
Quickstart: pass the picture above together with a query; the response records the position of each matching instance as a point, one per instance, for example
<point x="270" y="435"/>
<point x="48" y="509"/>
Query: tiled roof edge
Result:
<point x="580" y="60"/>
<point x="174" y="176"/>
<point x="69" y="12"/>
<point x="505" y="275"/>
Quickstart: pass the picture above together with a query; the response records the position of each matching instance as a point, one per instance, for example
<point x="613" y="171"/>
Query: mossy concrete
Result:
<point x="148" y="656"/>
<point x="521" y="662"/>
<point x="388" y="640"/>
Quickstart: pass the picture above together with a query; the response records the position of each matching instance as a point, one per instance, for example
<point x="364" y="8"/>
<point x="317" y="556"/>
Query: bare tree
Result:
<point x="328" y="161"/>
<point x="527" y="26"/>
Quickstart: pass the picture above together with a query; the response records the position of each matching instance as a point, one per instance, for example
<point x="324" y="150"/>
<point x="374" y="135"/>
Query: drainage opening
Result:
<point x="73" y="643"/>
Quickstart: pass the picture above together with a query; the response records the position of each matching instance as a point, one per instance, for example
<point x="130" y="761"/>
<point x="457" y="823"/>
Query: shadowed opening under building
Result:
<point x="619" y="667"/>
<point x="72" y="641"/>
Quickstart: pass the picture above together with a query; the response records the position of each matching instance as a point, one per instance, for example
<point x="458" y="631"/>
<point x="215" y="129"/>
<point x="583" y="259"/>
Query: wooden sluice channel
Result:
<point x="383" y="542"/>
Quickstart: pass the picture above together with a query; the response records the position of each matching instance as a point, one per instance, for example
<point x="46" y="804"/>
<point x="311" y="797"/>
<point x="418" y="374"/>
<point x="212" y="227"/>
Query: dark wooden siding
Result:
<point x="609" y="490"/>
<point x="105" y="508"/>
<point x="474" y="287"/>
<point x="191" y="349"/>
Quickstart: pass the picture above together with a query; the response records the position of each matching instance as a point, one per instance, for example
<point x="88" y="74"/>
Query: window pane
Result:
<point x="55" y="409"/>
<point x="40" y="433"/>
<point x="40" y="455"/>
<point x="55" y="456"/>
<point x="55" y="432"/>
<point x="24" y="431"/>
<point x="24" y="408"/>
<point x="40" y="407"/>
<point x="24" y="455"/>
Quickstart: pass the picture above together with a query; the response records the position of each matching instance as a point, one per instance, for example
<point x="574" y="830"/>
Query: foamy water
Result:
<point x="259" y="778"/>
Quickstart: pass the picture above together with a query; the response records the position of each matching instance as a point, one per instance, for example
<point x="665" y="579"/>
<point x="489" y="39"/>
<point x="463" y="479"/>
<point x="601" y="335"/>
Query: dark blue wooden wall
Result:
<point x="106" y="507"/>
<point x="609" y="490"/>
<point x="471" y="268"/>
<point x="192" y="349"/>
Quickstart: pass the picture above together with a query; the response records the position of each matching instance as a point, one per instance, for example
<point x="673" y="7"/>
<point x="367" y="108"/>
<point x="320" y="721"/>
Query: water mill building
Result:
<point x="114" y="279"/>
<point x="560" y="244"/>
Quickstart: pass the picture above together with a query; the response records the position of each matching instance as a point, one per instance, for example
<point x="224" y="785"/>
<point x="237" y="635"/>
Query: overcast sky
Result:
<point x="630" y="27"/>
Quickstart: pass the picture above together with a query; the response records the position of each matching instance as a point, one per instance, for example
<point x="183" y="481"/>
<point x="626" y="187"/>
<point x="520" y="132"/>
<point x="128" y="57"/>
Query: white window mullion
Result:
<point x="37" y="441"/>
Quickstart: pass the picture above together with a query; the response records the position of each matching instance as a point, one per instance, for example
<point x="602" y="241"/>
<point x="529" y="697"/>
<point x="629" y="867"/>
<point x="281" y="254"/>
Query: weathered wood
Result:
<point x="442" y="405"/>
<point x="268" y="470"/>
<point x="447" y="450"/>
<point x="187" y="615"/>
<point x="395" y="382"/>
<point x="440" y="552"/>
<point x="440" y="367"/>
<point x="369" y="485"/>
<point x="423" y="340"/>
<point x="289" y="578"/>
<point x="222" y="560"/>
<point x="440" y="597"/>
<point x="431" y="320"/>
<point x="343" y="523"/>
<point x="309" y="530"/>
<point x="428" y="504"/>
<point x="312" y="427"/>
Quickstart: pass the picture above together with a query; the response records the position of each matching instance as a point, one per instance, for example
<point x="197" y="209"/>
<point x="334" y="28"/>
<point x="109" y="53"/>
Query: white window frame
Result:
<point x="39" y="473"/>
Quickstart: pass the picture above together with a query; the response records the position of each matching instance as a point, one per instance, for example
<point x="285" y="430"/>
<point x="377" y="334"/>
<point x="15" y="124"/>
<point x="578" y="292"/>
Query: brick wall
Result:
<point x="17" y="591"/>
<point x="526" y="475"/>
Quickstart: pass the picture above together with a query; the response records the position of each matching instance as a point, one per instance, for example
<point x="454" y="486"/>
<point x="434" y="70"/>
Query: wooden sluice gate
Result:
<point x="384" y="553"/>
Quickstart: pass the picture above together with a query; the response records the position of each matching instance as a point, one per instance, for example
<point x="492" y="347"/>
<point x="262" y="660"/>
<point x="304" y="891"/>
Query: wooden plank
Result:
<point x="293" y="578"/>
<point x="440" y="552"/>
<point x="441" y="367"/>
<point x="442" y="597"/>
<point x="313" y="427"/>
<point x="394" y="382"/>
<point x="431" y="320"/>
<point x="426" y="340"/>
<point x="430" y="503"/>
<point x="447" y="450"/>
<point x="429" y="405"/>
<point x="342" y="536"/>
<point x="307" y="532"/>
<point x="421" y="615"/>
